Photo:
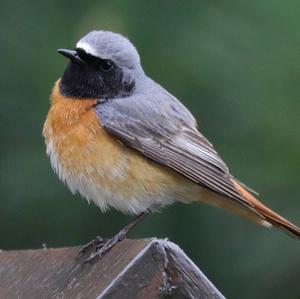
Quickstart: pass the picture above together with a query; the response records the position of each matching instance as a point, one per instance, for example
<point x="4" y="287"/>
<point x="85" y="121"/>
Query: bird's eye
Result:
<point x="107" y="65"/>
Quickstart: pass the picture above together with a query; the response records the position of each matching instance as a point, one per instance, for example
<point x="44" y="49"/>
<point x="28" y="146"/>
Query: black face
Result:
<point x="87" y="76"/>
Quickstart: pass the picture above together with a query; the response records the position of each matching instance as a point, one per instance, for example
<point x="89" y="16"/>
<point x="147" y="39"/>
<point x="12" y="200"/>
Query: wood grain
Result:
<point x="143" y="269"/>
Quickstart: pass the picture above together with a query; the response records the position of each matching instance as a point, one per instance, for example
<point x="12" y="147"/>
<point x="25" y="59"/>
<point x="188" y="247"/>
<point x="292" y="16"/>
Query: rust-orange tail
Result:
<point x="267" y="214"/>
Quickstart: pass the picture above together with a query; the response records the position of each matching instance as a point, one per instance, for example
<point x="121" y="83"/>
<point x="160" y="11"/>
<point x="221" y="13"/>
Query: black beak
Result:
<point x="71" y="54"/>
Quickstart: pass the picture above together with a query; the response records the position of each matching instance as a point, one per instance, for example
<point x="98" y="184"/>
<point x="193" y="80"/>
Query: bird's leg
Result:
<point x="103" y="247"/>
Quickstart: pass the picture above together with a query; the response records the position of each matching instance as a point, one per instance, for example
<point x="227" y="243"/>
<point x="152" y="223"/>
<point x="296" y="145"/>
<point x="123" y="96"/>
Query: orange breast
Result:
<point x="98" y="166"/>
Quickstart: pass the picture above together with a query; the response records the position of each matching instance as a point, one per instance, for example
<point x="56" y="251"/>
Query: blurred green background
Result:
<point x="235" y="64"/>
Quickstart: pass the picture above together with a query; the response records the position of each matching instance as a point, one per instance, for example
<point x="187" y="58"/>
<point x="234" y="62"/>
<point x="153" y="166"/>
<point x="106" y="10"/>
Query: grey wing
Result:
<point x="162" y="129"/>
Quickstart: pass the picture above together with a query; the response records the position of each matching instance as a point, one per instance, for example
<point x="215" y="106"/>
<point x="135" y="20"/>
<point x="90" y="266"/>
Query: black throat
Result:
<point x="89" y="81"/>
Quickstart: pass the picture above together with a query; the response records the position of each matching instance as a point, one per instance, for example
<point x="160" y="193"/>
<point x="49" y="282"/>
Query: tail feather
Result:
<point x="267" y="214"/>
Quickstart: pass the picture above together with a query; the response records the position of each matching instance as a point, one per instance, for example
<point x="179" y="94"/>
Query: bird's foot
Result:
<point x="98" y="242"/>
<point x="102" y="245"/>
<point x="103" y="248"/>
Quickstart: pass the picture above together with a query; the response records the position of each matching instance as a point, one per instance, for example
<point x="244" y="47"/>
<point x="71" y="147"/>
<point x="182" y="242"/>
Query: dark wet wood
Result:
<point x="132" y="269"/>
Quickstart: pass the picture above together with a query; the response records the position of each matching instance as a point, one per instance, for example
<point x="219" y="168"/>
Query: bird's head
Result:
<point x="102" y="65"/>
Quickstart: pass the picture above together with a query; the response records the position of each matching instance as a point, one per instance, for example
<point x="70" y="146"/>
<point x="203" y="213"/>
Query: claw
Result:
<point x="102" y="245"/>
<point x="98" y="242"/>
<point x="101" y="250"/>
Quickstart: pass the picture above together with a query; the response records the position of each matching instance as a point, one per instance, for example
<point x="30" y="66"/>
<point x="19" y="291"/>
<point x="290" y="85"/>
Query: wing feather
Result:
<point x="163" y="130"/>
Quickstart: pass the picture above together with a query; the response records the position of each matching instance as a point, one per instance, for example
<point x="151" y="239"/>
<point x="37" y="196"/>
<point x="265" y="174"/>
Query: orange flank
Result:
<point x="86" y="157"/>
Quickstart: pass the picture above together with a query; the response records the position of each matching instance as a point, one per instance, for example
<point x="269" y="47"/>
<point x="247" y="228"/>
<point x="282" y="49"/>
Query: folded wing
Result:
<point x="162" y="129"/>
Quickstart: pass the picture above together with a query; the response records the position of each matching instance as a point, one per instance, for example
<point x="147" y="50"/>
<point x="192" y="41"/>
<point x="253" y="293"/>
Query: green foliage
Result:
<point x="235" y="64"/>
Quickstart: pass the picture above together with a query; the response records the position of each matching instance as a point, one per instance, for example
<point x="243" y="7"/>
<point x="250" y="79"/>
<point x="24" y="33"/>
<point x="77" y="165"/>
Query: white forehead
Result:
<point x="109" y="45"/>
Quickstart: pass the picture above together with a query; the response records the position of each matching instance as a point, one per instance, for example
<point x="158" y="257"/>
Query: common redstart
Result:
<point x="121" y="140"/>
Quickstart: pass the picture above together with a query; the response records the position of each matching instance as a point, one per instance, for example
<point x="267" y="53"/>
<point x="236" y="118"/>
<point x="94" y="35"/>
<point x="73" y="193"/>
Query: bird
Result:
<point x="122" y="141"/>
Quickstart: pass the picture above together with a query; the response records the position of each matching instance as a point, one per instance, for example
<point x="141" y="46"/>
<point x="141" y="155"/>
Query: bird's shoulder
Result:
<point x="152" y="109"/>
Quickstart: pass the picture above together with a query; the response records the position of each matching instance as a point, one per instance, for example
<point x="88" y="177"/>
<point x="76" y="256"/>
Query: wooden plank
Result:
<point x="147" y="268"/>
